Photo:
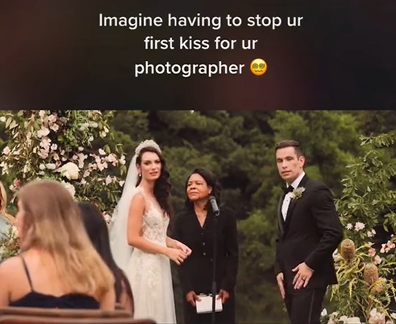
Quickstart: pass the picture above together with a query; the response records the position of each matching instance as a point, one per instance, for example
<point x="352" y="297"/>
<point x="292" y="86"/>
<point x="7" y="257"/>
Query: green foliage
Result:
<point x="58" y="145"/>
<point x="367" y="203"/>
<point x="368" y="196"/>
<point x="9" y="245"/>
<point x="330" y="140"/>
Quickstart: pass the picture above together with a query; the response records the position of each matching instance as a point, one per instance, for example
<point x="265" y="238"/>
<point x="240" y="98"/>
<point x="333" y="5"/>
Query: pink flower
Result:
<point x="377" y="259"/>
<point x="390" y="245"/>
<point x="52" y="118"/>
<point x="44" y="131"/>
<point x="359" y="226"/>
<point x="371" y="252"/>
<point x="43" y="154"/>
<point x="17" y="183"/>
<point x="371" y="233"/>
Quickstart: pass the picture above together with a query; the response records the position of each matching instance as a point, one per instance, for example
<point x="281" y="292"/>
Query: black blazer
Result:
<point x="310" y="234"/>
<point x="195" y="272"/>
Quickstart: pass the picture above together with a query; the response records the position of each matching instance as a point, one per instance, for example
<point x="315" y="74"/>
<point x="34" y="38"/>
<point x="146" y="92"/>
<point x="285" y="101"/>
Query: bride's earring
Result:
<point x="139" y="175"/>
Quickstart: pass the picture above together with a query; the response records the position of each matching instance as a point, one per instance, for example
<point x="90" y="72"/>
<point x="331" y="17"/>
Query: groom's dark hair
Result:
<point x="290" y="143"/>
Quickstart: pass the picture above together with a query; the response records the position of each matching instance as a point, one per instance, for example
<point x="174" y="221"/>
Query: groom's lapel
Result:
<point x="281" y="221"/>
<point x="293" y="203"/>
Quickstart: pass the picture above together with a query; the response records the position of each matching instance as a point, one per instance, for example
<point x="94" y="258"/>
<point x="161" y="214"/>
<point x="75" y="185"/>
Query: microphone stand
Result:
<point x="214" y="288"/>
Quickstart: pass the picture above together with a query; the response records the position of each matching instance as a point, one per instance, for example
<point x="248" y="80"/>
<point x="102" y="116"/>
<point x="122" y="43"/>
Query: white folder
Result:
<point x="205" y="304"/>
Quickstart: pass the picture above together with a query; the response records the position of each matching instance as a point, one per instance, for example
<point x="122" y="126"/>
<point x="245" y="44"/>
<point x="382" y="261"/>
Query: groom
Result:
<point x="309" y="232"/>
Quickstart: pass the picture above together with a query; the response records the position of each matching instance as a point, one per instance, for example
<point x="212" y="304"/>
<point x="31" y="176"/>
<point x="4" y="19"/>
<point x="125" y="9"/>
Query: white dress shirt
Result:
<point x="287" y="199"/>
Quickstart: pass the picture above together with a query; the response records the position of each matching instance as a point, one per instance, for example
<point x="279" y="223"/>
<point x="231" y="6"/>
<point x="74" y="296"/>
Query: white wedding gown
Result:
<point x="150" y="274"/>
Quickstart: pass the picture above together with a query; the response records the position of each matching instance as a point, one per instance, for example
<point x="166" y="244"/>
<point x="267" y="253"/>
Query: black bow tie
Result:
<point x="288" y="189"/>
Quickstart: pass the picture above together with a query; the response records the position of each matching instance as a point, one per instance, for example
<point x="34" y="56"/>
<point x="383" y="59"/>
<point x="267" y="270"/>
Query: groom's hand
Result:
<point x="303" y="275"/>
<point x="279" y="279"/>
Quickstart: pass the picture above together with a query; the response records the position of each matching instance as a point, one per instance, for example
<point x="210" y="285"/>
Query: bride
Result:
<point x="138" y="235"/>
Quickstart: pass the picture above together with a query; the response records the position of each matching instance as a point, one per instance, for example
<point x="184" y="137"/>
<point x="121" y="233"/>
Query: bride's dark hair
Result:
<point x="162" y="185"/>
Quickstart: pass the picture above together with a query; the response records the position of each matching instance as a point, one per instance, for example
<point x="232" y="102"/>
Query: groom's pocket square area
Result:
<point x="205" y="304"/>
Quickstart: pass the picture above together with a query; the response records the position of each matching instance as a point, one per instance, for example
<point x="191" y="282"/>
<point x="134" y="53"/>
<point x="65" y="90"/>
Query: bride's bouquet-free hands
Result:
<point x="176" y="255"/>
<point x="183" y="247"/>
<point x="178" y="252"/>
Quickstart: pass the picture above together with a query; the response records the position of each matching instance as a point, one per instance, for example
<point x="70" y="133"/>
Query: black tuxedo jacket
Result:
<point x="311" y="232"/>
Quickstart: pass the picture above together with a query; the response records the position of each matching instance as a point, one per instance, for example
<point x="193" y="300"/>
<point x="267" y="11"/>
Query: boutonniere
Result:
<point x="297" y="193"/>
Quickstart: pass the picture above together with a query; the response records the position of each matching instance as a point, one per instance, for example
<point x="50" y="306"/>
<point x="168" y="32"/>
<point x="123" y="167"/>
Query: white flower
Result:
<point x="54" y="127"/>
<point x="26" y="168"/>
<point x="14" y="230"/>
<point x="43" y="154"/>
<point x="50" y="166"/>
<point x="359" y="226"/>
<point x="2" y="119"/>
<point x="102" y="152"/>
<point x="70" y="188"/>
<point x="41" y="166"/>
<point x="121" y="183"/>
<point x="102" y="166"/>
<point x="107" y="217"/>
<point x="52" y="118"/>
<point x="54" y="147"/>
<point x="297" y="193"/>
<point x="324" y="312"/>
<point x="4" y="167"/>
<point x="42" y="113"/>
<point x="350" y="320"/>
<point x="84" y="126"/>
<point x="108" y="180"/>
<point x="81" y="158"/>
<point x="69" y="170"/>
<point x="6" y="150"/>
<point x="44" y="131"/>
<point x="111" y="158"/>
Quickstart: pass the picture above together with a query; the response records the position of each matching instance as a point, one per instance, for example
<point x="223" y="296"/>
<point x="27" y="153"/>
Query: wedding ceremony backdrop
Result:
<point x="353" y="152"/>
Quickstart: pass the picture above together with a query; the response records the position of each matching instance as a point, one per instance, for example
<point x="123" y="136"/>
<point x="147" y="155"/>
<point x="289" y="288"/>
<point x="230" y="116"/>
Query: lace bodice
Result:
<point x="155" y="225"/>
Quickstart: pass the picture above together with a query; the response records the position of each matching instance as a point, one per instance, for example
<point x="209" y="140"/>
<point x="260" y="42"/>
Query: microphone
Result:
<point x="215" y="208"/>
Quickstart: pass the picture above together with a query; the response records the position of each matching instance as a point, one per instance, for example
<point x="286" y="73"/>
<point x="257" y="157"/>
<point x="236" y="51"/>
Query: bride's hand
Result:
<point x="176" y="255"/>
<point x="183" y="247"/>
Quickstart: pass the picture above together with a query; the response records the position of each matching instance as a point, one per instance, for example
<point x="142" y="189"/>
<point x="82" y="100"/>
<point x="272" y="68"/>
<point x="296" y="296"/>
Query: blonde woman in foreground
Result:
<point x="55" y="268"/>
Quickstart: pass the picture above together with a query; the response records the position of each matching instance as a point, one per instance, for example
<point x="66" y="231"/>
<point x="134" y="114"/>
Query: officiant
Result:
<point x="195" y="227"/>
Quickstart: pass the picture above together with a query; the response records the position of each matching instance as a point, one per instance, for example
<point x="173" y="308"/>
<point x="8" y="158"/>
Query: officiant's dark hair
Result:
<point x="162" y="185"/>
<point x="290" y="143"/>
<point x="211" y="180"/>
